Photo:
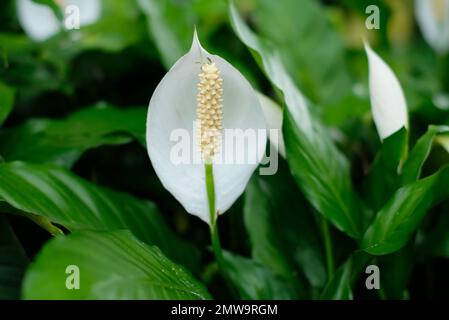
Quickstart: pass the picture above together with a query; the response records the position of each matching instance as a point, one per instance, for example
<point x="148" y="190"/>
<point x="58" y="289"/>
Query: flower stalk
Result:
<point x="215" y="238"/>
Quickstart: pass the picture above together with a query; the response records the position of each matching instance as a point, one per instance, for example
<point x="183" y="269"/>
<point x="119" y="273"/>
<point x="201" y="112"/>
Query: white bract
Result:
<point x="433" y="20"/>
<point x="40" y="23"/>
<point x="203" y="88"/>
<point x="388" y="104"/>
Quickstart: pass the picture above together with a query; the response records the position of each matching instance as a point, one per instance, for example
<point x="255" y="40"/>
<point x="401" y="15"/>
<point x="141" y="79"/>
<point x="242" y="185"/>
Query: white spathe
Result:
<point x="173" y="106"/>
<point x="388" y="104"/>
<point x="433" y="20"/>
<point x="40" y="23"/>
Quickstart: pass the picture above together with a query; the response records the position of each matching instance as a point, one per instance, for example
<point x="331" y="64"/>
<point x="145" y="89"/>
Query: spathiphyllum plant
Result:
<point x="125" y="144"/>
<point x="204" y="96"/>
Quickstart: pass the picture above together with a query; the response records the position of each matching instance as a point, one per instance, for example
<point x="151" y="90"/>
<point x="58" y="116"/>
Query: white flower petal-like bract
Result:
<point x="388" y="104"/>
<point x="433" y="20"/>
<point x="40" y="23"/>
<point x="174" y="106"/>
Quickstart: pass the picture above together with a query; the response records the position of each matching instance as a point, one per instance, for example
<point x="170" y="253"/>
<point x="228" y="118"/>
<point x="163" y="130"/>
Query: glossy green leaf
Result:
<point x="434" y="242"/>
<point x="283" y="234"/>
<point x="76" y="204"/>
<point x="13" y="262"/>
<point x="255" y="282"/>
<point x="400" y="217"/>
<point x="383" y="179"/>
<point x="171" y="25"/>
<point x="6" y="101"/>
<point x="326" y="184"/>
<point x="288" y="24"/>
<point x="396" y="269"/>
<point x="112" y="265"/>
<point x="63" y="141"/>
<point x="413" y="165"/>
<point x="340" y="286"/>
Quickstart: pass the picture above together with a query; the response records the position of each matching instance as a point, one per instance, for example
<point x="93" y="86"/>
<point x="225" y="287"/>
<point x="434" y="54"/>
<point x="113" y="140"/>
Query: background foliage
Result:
<point x="77" y="187"/>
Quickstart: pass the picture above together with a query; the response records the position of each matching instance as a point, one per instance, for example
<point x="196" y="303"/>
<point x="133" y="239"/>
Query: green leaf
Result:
<point x="13" y="262"/>
<point x="400" y="217"/>
<point x="288" y="24"/>
<point x="340" y="286"/>
<point x="12" y="44"/>
<point x="6" y="101"/>
<point x="396" y="269"/>
<point x="435" y="241"/>
<point x="413" y="165"/>
<point x="112" y="265"/>
<point x="255" y="282"/>
<point x="383" y="179"/>
<point x="284" y="236"/>
<point x="76" y="204"/>
<point x="326" y="184"/>
<point x="63" y="141"/>
<point x="171" y="24"/>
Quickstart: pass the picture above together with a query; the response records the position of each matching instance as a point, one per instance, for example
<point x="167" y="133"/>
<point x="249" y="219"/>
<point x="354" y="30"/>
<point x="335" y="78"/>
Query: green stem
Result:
<point x="328" y="249"/>
<point x="215" y="238"/>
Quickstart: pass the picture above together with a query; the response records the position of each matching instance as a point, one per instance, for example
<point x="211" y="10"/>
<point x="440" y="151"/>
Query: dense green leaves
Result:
<point x="400" y="217"/>
<point x="63" y="98"/>
<point x="325" y="183"/>
<point x="340" y="286"/>
<point x="76" y="204"/>
<point x="284" y="22"/>
<point x="283" y="233"/>
<point x="396" y="269"/>
<point x="435" y="242"/>
<point x="413" y="165"/>
<point x="383" y="178"/>
<point x="13" y="262"/>
<point x="62" y="141"/>
<point x="111" y="266"/>
<point x="246" y="274"/>
<point x="171" y="25"/>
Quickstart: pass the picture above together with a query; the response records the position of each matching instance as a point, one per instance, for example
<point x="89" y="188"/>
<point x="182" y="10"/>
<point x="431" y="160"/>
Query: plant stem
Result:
<point x="328" y="249"/>
<point x="215" y="238"/>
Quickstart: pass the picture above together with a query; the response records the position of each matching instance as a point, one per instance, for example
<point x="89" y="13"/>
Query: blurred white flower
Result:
<point x="433" y="20"/>
<point x="388" y="104"/>
<point x="40" y="23"/>
<point x="205" y="89"/>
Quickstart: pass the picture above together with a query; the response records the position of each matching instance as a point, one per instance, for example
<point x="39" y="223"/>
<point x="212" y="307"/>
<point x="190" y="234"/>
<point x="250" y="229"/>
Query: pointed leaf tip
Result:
<point x="388" y="103"/>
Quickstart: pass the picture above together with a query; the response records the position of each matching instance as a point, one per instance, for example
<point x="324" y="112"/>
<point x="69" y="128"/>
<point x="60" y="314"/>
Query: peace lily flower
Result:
<point x="40" y="23"/>
<point x="388" y="104"/>
<point x="203" y="95"/>
<point x="433" y="20"/>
